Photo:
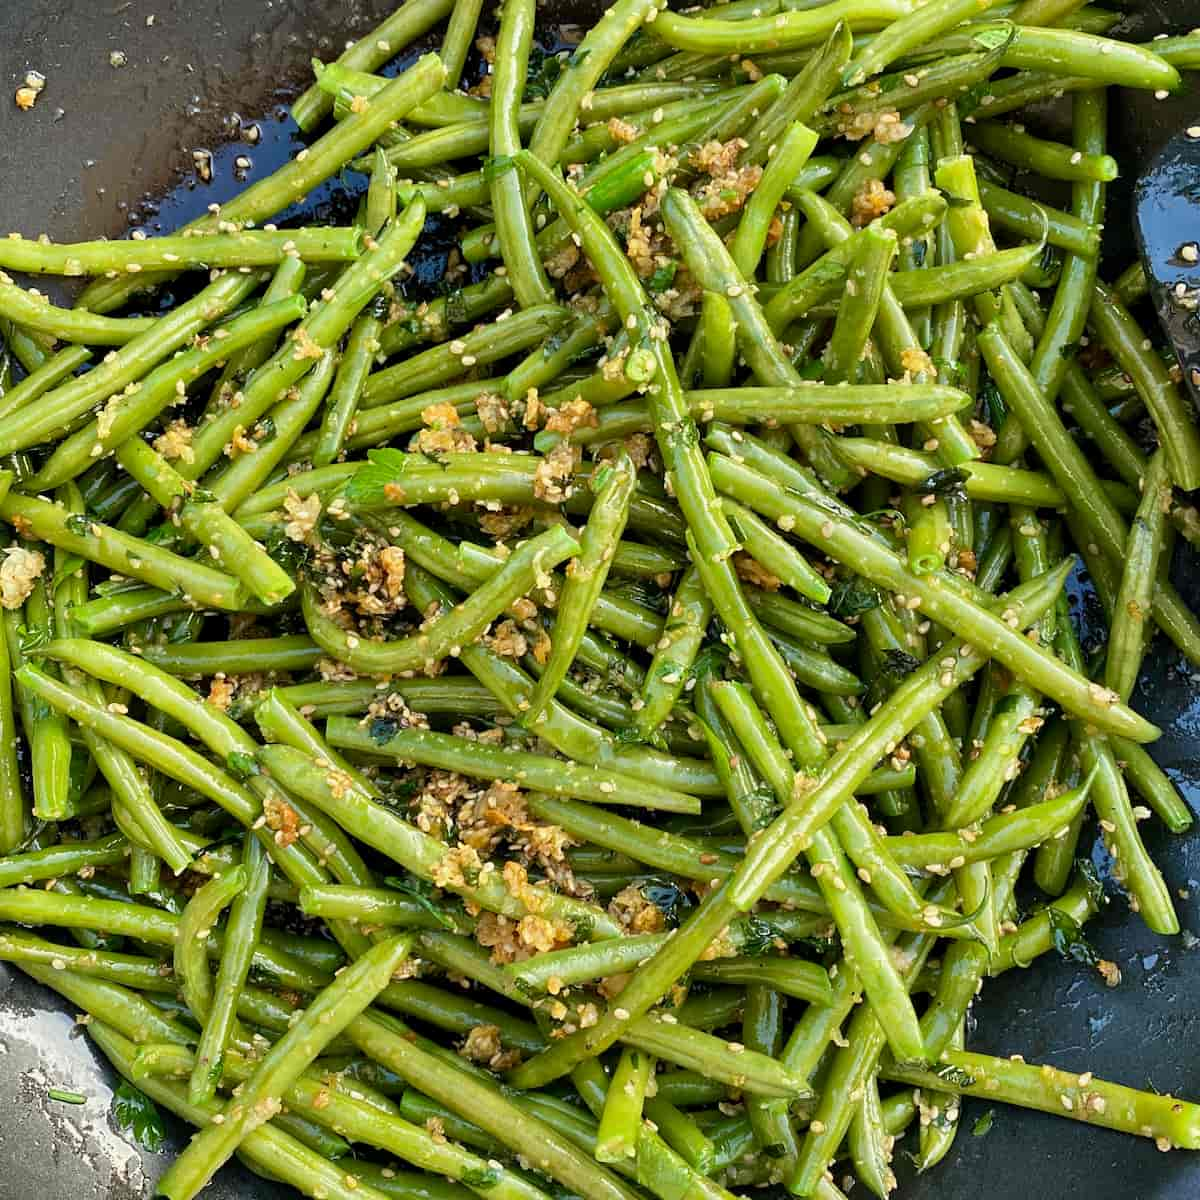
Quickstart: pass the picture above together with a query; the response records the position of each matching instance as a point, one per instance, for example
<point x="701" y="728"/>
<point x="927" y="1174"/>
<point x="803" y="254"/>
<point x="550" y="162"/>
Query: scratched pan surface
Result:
<point x="108" y="147"/>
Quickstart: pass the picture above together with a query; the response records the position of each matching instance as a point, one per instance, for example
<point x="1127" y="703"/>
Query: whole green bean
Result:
<point x="323" y="1020"/>
<point x="614" y="487"/>
<point x="62" y="407"/>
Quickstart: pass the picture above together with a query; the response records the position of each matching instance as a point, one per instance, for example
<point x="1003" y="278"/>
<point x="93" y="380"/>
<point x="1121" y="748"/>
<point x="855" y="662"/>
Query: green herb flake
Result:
<point x="135" y="1113"/>
<point x="62" y="1096"/>
<point x="1067" y="937"/>
<point x="853" y="596"/>
<point x="949" y="483"/>
<point x="983" y="1126"/>
<point x="242" y="765"/>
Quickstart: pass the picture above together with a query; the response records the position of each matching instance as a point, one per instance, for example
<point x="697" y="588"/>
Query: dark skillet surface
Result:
<point x="196" y="77"/>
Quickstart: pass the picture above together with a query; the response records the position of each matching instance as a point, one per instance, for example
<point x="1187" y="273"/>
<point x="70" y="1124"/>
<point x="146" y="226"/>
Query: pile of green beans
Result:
<point x="584" y="731"/>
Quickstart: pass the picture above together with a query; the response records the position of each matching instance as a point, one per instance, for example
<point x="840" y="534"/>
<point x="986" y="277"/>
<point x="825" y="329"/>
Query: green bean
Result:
<point x="945" y="604"/>
<point x="865" y="281"/>
<point x="908" y="31"/>
<point x="1053" y="160"/>
<point x="286" y="284"/>
<point x="66" y="858"/>
<point x="801" y="99"/>
<point x="1004" y="834"/>
<point x="406" y="23"/>
<point x="606" y="521"/>
<point x="851" y="1067"/>
<point x="357" y="811"/>
<point x="43" y="378"/>
<point x="488" y="1108"/>
<point x="127" y="413"/>
<point x="12" y="708"/>
<point x="1036" y="935"/>
<point x="779" y="556"/>
<point x="33" y="311"/>
<point x="248" y="248"/>
<point x="971" y="237"/>
<point x="1110" y="798"/>
<point x="1143" y="552"/>
<point x="458" y="38"/>
<point x="45" y="732"/>
<point x="361" y="348"/>
<point x="1153" y="785"/>
<point x="191" y="961"/>
<point x="513" y="224"/>
<point x="786" y="31"/>
<point x="442" y="363"/>
<point x="621" y="1120"/>
<point x="226" y="541"/>
<point x="119" y="552"/>
<point x="791" y="152"/>
<point x="243" y="656"/>
<point x="1068" y="52"/>
<point x="599" y="785"/>
<point x="824" y="277"/>
<point x="714" y="268"/>
<point x="131" y="970"/>
<point x="789" y="977"/>
<point x="961" y="280"/>
<point x="61" y="407"/>
<point x="242" y="934"/>
<point x="690" y="1047"/>
<point x="1048" y="1089"/>
<point x="320" y="331"/>
<point x="376" y="906"/>
<point x="1111" y="322"/>
<point x="1075" y="475"/>
<point x="135" y="1015"/>
<point x="323" y="1020"/>
<point x="929" y="535"/>
<point x="984" y="481"/>
<point x="868" y="1142"/>
<point x="270" y="1150"/>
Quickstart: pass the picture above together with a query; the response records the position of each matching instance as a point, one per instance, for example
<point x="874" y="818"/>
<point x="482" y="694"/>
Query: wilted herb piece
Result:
<point x="990" y="39"/>
<point x="897" y="664"/>
<point x="422" y="891"/>
<point x="992" y="405"/>
<point x="292" y="556"/>
<point x="480" y="1177"/>
<point x="71" y="565"/>
<point x="544" y="70"/>
<point x="663" y="277"/>
<point x="949" y="483"/>
<point x="853" y="596"/>
<point x="1095" y="887"/>
<point x="79" y="525"/>
<point x="1068" y="938"/>
<point x="983" y="1126"/>
<point x="955" y="1076"/>
<point x="667" y="898"/>
<point x="366" y="486"/>
<point x="382" y="729"/>
<point x="758" y="936"/>
<point x="135" y="1113"/>
<point x="31" y="638"/>
<point x="242" y="765"/>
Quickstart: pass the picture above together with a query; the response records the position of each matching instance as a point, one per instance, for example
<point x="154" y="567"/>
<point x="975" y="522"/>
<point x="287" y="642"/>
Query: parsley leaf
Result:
<point x="134" y="1112"/>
